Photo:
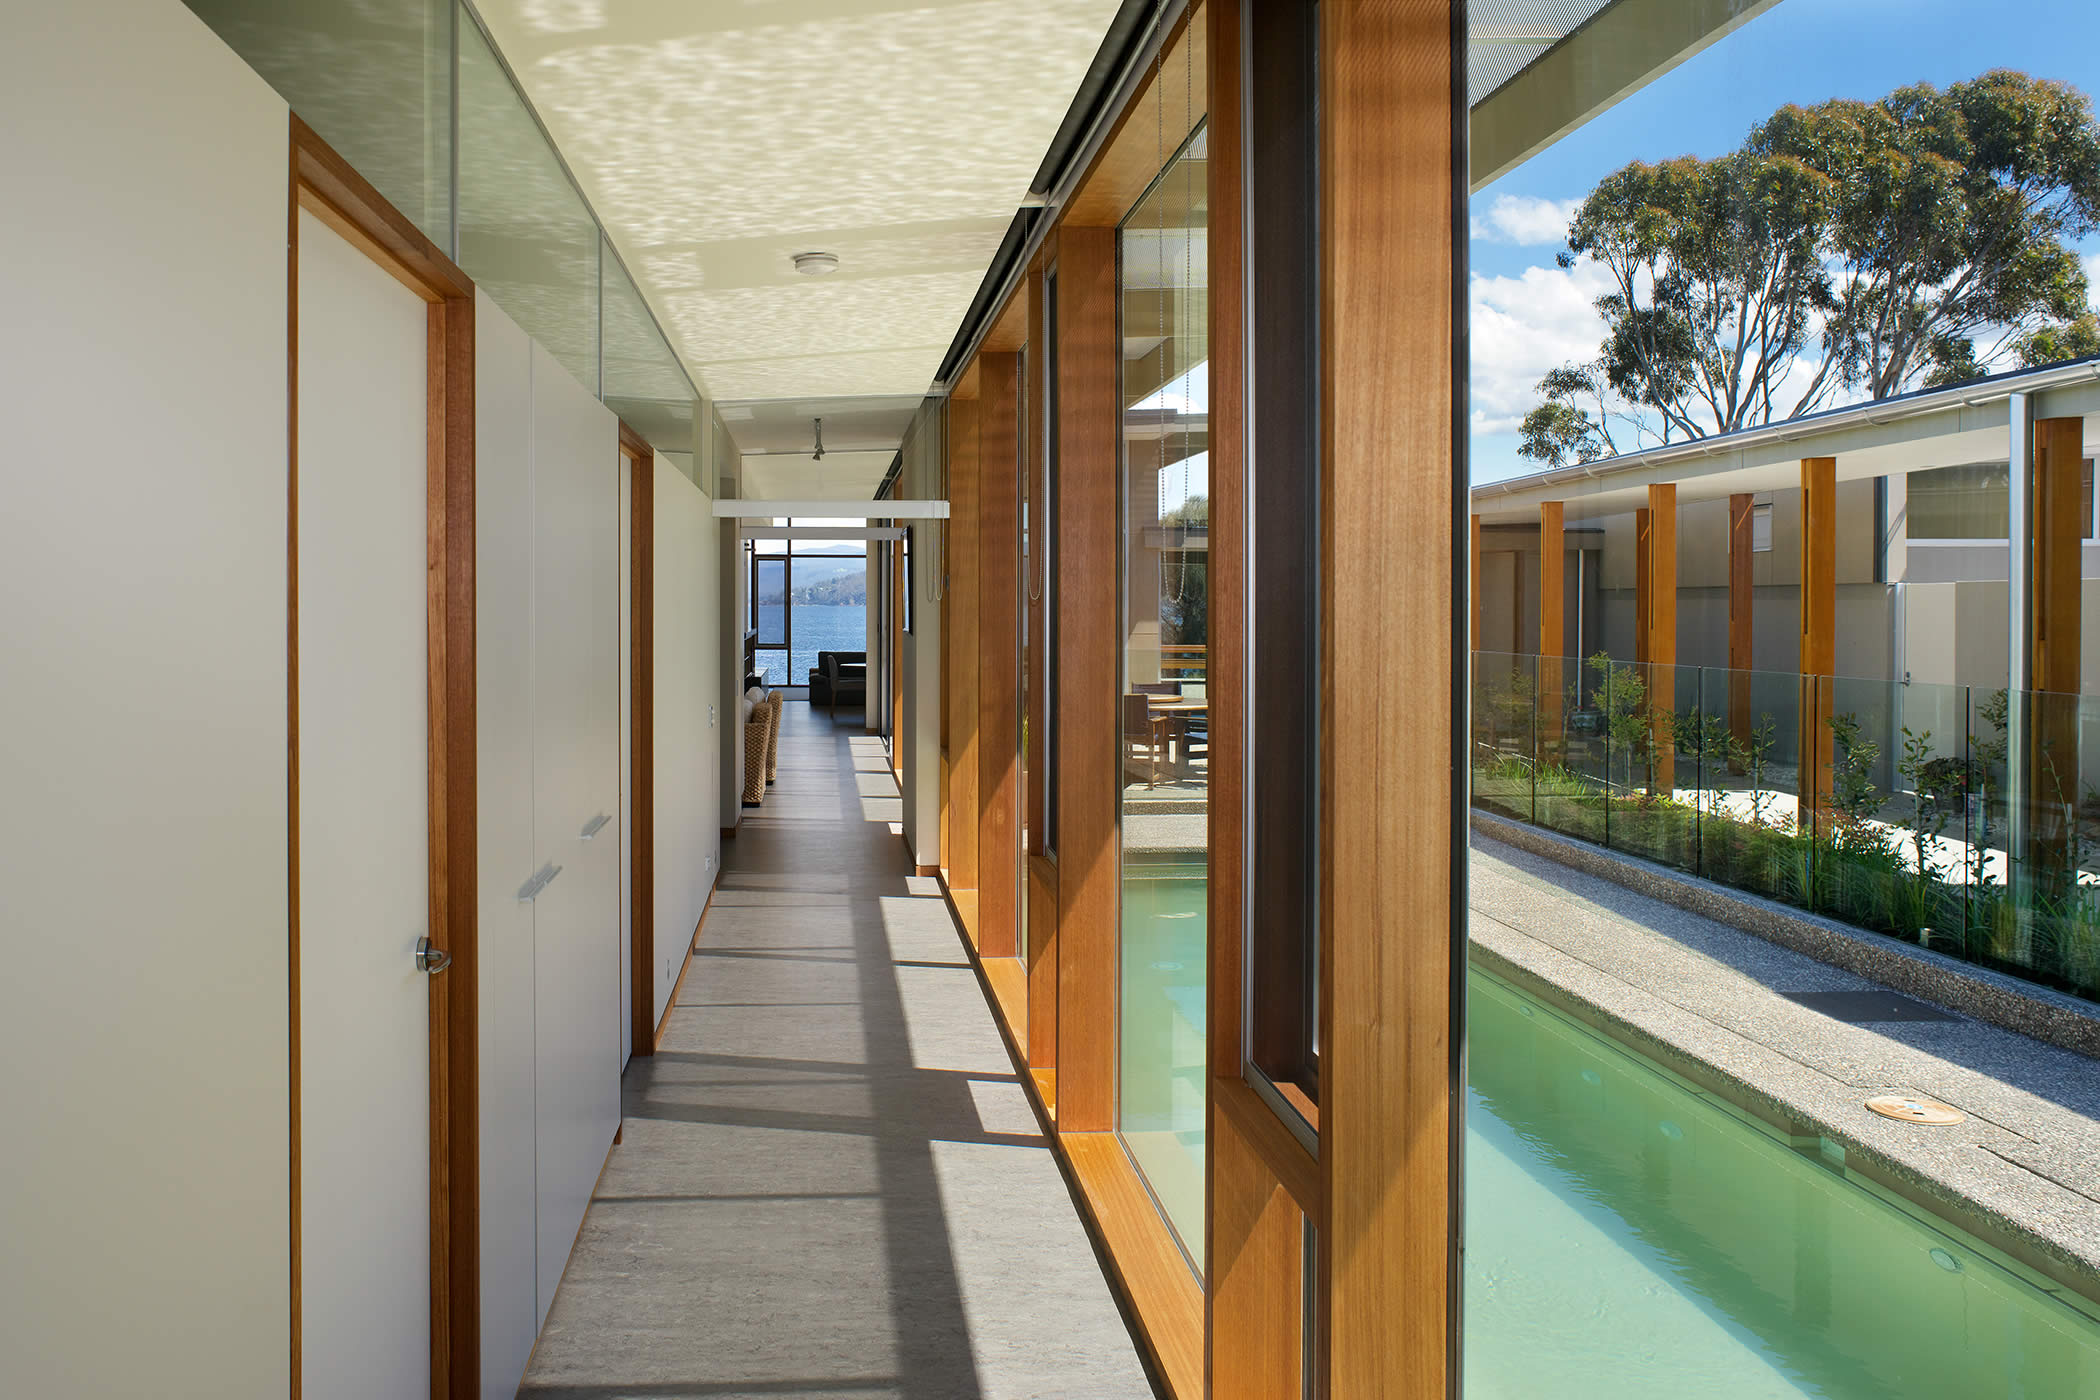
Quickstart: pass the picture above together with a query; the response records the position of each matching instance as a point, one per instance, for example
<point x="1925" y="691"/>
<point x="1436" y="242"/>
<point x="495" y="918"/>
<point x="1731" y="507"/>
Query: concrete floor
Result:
<point x="830" y="1182"/>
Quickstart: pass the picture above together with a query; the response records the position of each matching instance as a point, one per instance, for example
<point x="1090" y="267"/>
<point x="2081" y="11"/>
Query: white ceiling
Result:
<point x="841" y="476"/>
<point x="716" y="138"/>
<point x="785" y="425"/>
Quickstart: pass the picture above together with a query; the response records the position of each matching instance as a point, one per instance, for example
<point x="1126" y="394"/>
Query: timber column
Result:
<point x="1818" y="627"/>
<point x="1659" y="634"/>
<point x="2050" y="851"/>
<point x="1551" y="638"/>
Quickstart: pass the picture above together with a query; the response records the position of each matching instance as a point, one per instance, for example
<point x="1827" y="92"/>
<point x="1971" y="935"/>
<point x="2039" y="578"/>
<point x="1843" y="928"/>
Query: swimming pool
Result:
<point x="1629" y="1237"/>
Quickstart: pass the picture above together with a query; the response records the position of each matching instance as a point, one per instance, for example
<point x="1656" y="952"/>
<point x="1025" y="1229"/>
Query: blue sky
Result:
<point x="1529" y="316"/>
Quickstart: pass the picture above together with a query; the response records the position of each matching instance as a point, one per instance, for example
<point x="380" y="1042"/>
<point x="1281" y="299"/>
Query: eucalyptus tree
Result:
<point x="1846" y="251"/>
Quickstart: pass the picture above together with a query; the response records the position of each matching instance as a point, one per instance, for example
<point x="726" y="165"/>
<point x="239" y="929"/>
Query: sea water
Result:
<point x="817" y="627"/>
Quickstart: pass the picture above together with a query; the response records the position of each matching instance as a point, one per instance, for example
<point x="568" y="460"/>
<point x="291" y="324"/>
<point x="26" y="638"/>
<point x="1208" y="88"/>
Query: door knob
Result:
<point x="429" y="959"/>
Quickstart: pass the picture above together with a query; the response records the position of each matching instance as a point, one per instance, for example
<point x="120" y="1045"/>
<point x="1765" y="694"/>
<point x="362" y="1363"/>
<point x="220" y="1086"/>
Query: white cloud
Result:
<point x="1525" y="220"/>
<point x="2092" y="278"/>
<point x="1524" y="326"/>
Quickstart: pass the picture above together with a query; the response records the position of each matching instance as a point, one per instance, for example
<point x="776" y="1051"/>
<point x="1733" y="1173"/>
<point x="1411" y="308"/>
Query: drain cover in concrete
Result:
<point x="1859" y="1008"/>
<point x="1914" y="1110"/>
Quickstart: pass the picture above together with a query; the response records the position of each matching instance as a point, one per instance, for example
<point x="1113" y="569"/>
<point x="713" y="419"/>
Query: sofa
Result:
<point x="839" y="678"/>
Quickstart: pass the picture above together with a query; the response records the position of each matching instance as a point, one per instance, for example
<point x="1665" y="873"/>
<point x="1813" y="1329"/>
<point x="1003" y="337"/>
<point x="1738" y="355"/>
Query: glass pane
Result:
<point x="1647" y="817"/>
<point x="2033" y="907"/>
<point x="769" y="602"/>
<point x="373" y="78"/>
<point x="525" y="235"/>
<point x="1165" y="758"/>
<point x="828" y="598"/>
<point x="1506" y="726"/>
<point x="644" y="383"/>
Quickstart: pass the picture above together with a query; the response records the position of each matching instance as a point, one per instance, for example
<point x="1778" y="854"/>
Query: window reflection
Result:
<point x="1165" y="706"/>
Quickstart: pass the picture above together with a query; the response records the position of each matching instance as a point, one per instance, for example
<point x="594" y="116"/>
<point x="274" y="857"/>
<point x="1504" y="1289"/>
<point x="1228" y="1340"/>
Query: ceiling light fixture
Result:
<point x="816" y="264"/>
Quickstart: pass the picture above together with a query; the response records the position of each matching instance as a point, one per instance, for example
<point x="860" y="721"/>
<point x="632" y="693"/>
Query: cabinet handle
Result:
<point x="530" y="890"/>
<point x="595" y="825"/>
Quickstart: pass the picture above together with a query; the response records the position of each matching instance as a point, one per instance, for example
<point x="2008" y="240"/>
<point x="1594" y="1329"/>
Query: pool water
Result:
<point x="1162" y="1050"/>
<point x="1629" y="1237"/>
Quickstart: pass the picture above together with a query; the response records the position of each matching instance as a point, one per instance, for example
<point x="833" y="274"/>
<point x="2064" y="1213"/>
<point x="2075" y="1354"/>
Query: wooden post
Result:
<point x="1089" y="718"/>
<point x="1818" y="627"/>
<point x="1039" y="878"/>
<point x="960" y="632"/>
<point x="2059" y="528"/>
<point x="998" y="548"/>
<point x="1742" y="512"/>
<point x="1552" y="619"/>
<point x="1661" y="646"/>
<point x="1392" y="840"/>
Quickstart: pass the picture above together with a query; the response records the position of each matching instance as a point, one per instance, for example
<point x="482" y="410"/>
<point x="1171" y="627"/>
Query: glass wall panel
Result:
<point x="1736" y="1141"/>
<point x="1165" y="750"/>
<point x="525" y="235"/>
<point x="644" y="382"/>
<point x="373" y="78"/>
<point x="808" y="597"/>
<point x="1506" y="722"/>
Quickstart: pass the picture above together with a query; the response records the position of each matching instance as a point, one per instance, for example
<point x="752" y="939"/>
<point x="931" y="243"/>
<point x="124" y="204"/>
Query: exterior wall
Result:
<point x="1507" y="587"/>
<point x="145" y="1188"/>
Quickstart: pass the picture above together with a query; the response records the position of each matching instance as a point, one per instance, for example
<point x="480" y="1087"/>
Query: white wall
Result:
<point x="688" y="718"/>
<point x="144" y="1186"/>
<point x="503" y="671"/>
<point x="548" y="662"/>
<point x="919" y="727"/>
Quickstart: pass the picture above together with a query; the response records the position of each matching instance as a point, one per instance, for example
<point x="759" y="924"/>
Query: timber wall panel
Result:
<point x="998" y="544"/>
<point x="1088" y="758"/>
<point x="1394" y="665"/>
<point x="960" y="637"/>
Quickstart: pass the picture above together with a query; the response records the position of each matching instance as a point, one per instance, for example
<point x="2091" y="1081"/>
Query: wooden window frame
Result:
<point x="1275" y="1313"/>
<point x="638" y="460"/>
<point x="325" y="185"/>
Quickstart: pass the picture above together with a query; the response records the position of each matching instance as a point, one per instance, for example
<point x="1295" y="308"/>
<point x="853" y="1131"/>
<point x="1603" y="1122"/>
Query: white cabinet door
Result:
<point x="364" y="1017"/>
<point x="503" y="530"/>
<point x="575" y="802"/>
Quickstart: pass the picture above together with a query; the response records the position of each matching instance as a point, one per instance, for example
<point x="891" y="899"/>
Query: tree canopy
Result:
<point x="1850" y="250"/>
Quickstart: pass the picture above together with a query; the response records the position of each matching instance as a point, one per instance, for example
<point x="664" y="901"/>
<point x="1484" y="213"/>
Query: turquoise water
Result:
<point x="1160" y="1104"/>
<point x="1630" y="1238"/>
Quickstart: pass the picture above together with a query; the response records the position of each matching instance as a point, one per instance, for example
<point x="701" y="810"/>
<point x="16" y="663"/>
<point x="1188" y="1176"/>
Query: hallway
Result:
<point x="830" y="1182"/>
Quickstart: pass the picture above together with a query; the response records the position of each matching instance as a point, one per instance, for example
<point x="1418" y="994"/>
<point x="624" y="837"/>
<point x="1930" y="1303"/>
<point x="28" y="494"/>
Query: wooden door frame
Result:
<point x="639" y="460"/>
<point x="324" y="184"/>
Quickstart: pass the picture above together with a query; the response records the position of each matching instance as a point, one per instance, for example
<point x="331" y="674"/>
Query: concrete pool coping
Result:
<point x="1988" y="995"/>
<point x="1699" y="998"/>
